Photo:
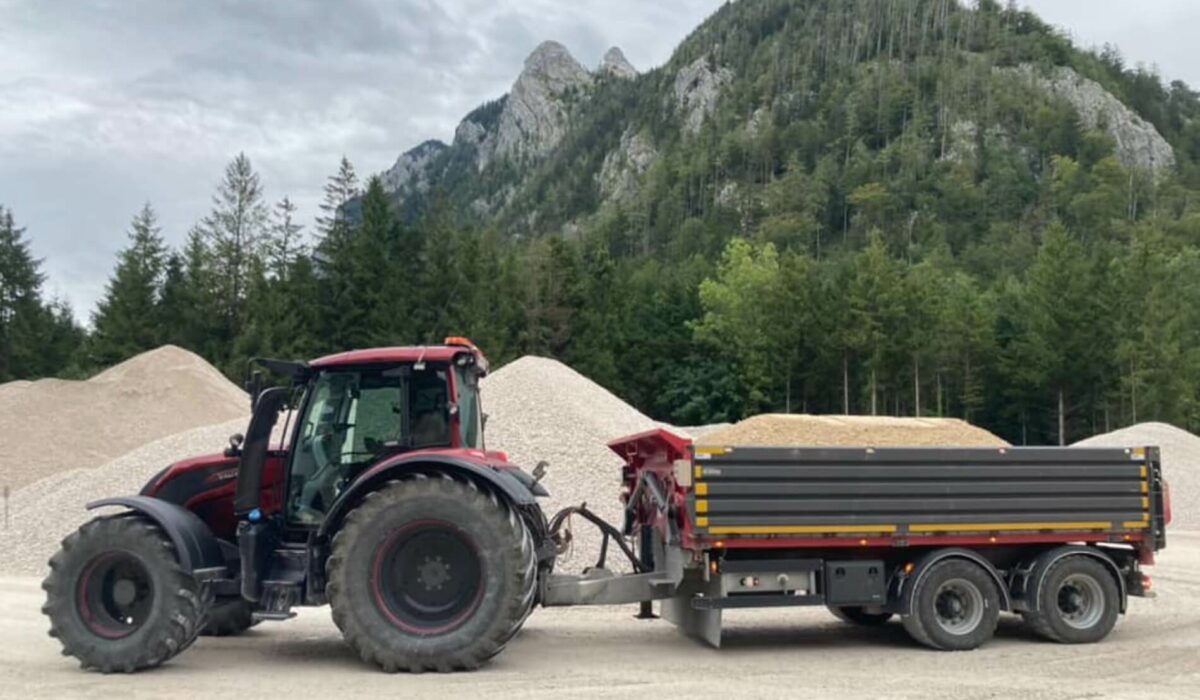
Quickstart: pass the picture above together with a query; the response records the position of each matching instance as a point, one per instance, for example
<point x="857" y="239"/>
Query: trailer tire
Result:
<point x="857" y="615"/>
<point x="1078" y="602"/>
<point x="118" y="598"/>
<point x="955" y="607"/>
<point x="431" y="574"/>
<point x="228" y="617"/>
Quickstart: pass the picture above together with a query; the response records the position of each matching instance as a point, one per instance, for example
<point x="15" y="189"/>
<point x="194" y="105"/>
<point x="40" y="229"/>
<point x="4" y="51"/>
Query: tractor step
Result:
<point x="264" y="616"/>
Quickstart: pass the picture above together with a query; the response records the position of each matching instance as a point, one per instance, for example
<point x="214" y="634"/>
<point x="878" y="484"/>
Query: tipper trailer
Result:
<point x="383" y="502"/>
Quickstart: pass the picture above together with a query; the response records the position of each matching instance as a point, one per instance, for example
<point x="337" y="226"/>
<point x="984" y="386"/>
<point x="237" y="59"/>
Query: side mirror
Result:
<point x="235" y="445"/>
<point x="254" y="387"/>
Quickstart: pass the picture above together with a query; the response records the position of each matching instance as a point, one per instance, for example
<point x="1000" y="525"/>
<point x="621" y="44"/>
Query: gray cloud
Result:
<point x="106" y="105"/>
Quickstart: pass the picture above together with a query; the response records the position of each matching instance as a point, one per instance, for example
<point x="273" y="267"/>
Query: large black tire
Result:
<point x="117" y="598"/>
<point x="955" y="607"/>
<point x="229" y="617"/>
<point x="431" y="574"/>
<point x="1077" y="603"/>
<point x="856" y="615"/>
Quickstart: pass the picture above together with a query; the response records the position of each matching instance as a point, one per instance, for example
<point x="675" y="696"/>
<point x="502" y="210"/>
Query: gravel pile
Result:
<point x="46" y="511"/>
<point x="874" y="431"/>
<point x="54" y="425"/>
<point x="1181" y="464"/>
<point x="540" y="409"/>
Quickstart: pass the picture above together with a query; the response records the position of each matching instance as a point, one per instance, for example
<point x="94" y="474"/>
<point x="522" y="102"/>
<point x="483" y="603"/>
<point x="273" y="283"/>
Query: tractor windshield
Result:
<point x="351" y="419"/>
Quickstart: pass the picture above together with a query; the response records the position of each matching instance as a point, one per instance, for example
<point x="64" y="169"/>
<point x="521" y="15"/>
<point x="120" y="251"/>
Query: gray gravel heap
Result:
<point x="1181" y="464"/>
<point x="540" y="409"/>
<point x="46" y="511"/>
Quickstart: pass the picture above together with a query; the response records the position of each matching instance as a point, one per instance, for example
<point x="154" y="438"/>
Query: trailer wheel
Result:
<point x="857" y="615"/>
<point x="117" y="598"/>
<point x="431" y="574"/>
<point x="1077" y="602"/>
<point x="229" y="616"/>
<point x="955" y="607"/>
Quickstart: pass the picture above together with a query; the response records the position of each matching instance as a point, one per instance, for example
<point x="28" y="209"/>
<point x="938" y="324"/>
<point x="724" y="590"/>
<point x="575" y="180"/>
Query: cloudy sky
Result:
<point x="107" y="104"/>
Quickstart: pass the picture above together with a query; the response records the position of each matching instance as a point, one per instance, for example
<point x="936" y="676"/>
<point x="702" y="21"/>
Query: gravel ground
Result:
<point x="603" y="652"/>
<point x="54" y="425"/>
<point x="875" y="431"/>
<point x="1180" y="458"/>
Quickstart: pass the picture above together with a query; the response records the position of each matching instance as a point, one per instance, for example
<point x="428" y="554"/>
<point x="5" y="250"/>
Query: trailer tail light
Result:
<point x="1147" y="584"/>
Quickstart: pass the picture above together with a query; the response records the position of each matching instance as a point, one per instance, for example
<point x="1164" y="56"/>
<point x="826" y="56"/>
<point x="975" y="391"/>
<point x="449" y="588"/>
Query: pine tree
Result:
<point x="126" y="321"/>
<point x="233" y="231"/>
<point x="37" y="339"/>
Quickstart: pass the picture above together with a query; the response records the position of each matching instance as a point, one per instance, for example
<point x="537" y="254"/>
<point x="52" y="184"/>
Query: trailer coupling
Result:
<point x="655" y="577"/>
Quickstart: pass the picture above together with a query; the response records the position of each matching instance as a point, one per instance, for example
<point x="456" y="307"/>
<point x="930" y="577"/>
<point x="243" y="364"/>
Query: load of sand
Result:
<point x="52" y="425"/>
<point x="775" y="429"/>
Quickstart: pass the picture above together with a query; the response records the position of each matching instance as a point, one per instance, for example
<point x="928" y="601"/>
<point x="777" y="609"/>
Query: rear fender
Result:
<point x="905" y="585"/>
<point x="505" y="484"/>
<point x="199" y="552"/>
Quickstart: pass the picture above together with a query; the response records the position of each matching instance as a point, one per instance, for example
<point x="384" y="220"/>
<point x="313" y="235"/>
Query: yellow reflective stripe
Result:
<point x="701" y="506"/>
<point x="701" y="522"/>
<point x="712" y="450"/>
<point x="791" y="529"/>
<point x="1136" y="524"/>
<point x="1145" y="487"/>
<point x="701" y="489"/>
<point x="699" y="471"/>
<point x="984" y="527"/>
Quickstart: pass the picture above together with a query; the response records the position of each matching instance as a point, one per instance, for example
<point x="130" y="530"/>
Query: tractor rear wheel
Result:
<point x="431" y="574"/>
<point x="117" y="598"/>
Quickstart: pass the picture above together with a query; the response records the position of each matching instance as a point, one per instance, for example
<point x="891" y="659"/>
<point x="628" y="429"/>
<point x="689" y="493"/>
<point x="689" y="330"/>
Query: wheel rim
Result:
<point x="115" y="595"/>
<point x="958" y="606"/>
<point x="1080" y="601"/>
<point x="428" y="577"/>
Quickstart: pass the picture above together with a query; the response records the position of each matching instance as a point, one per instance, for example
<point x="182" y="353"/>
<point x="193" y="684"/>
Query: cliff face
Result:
<point x="1139" y="144"/>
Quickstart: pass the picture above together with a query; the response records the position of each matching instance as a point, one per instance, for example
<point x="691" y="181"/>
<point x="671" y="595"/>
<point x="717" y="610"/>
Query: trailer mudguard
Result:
<point x="1036" y="574"/>
<point x="199" y="551"/>
<point x="502" y="481"/>
<point x="907" y="585"/>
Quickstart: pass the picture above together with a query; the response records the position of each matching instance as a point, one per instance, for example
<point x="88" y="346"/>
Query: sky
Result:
<point x="107" y="104"/>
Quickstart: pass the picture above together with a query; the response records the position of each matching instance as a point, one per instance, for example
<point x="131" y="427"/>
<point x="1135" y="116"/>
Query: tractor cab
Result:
<point x="356" y="408"/>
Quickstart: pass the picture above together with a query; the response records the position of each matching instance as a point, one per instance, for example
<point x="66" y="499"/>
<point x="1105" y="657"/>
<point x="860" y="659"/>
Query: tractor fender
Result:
<point x="198" y="550"/>
<point x="906" y="585"/>
<point x="506" y="484"/>
<point x="1034" y="575"/>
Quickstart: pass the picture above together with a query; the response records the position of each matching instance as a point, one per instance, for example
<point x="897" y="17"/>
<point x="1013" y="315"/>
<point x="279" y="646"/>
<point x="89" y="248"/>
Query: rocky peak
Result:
<point x="412" y="167"/>
<point x="615" y="64"/>
<point x="537" y="110"/>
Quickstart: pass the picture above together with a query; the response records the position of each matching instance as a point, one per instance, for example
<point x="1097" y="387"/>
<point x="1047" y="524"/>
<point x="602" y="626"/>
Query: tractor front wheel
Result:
<point x="117" y="598"/>
<point x="431" y="574"/>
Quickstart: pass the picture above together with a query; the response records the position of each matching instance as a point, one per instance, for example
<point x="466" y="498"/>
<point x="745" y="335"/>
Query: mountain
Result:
<point x="856" y="77"/>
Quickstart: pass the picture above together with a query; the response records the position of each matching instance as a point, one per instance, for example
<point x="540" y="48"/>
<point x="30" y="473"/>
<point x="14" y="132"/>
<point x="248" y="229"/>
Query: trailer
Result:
<point x="383" y="502"/>
<point x="944" y="538"/>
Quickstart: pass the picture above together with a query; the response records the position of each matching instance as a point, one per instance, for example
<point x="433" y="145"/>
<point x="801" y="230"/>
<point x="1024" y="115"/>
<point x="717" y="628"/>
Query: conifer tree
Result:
<point x="126" y="320"/>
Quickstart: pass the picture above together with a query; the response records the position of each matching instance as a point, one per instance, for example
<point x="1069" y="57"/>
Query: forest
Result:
<point x="832" y="240"/>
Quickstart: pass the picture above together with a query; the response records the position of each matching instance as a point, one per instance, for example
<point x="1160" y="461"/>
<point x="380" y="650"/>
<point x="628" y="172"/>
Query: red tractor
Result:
<point x="383" y="503"/>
